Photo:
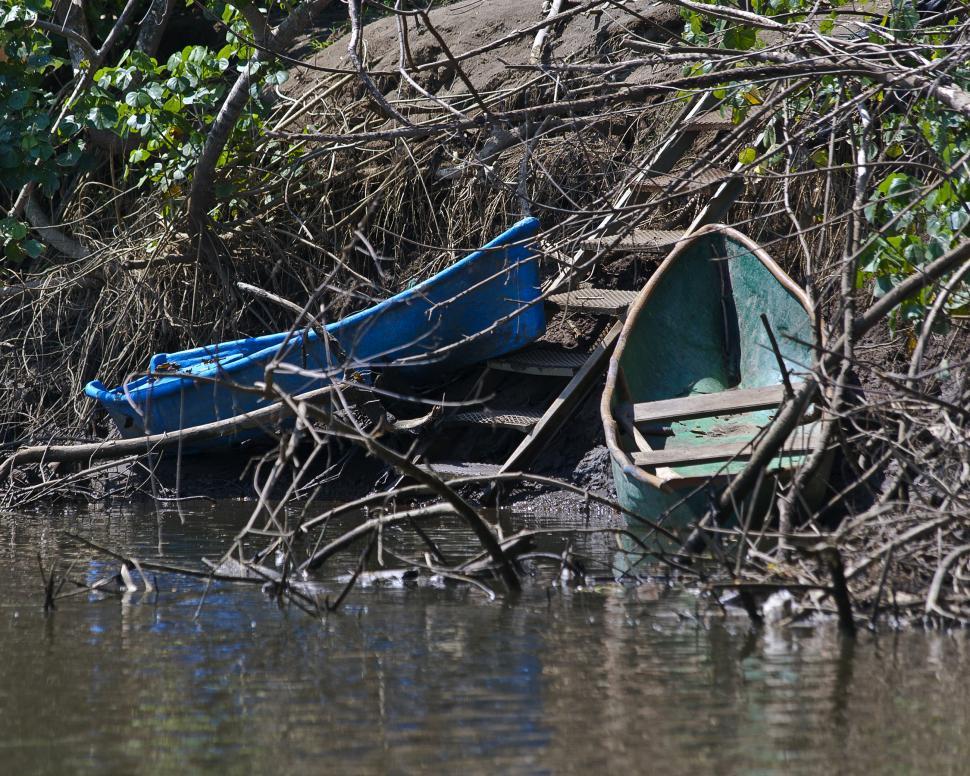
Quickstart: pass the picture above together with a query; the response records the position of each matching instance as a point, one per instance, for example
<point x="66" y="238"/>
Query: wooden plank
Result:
<point x="709" y="122"/>
<point x="449" y="471"/>
<point x="684" y="183"/>
<point x="719" y="204"/>
<point x="716" y="121"/>
<point x="800" y="443"/>
<point x="593" y="301"/>
<point x="639" y="241"/>
<point x="543" y="359"/>
<point x="561" y="408"/>
<point x="702" y="405"/>
<point x="516" y="418"/>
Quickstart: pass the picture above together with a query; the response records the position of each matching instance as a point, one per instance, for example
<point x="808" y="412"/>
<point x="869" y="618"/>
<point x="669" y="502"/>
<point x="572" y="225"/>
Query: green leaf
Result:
<point x="13" y="229"/>
<point x="895" y="150"/>
<point x="958" y="220"/>
<point x="13" y="253"/>
<point x="32" y="248"/>
<point x="742" y="38"/>
<point x="884" y="284"/>
<point x="18" y="100"/>
<point x="70" y="157"/>
<point x="103" y="117"/>
<point x="69" y="126"/>
<point x="747" y="155"/>
<point x="138" y="99"/>
<point x="277" y="77"/>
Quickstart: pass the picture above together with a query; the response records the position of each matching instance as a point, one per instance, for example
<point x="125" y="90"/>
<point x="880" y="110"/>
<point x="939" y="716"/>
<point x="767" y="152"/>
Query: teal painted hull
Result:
<point x="673" y="510"/>
<point x="696" y="330"/>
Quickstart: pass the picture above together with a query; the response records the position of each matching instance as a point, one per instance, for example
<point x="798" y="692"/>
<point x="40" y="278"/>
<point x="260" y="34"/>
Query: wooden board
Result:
<point x="543" y="359"/>
<point x="704" y="451"/>
<point x="682" y="183"/>
<point x="593" y="301"/>
<point x="718" y="121"/>
<point x="450" y="471"/>
<point x="516" y="418"/>
<point x="709" y="122"/>
<point x="703" y="405"/>
<point x="639" y="241"/>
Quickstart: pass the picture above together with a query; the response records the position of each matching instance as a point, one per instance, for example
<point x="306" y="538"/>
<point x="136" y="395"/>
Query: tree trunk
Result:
<point x="202" y="192"/>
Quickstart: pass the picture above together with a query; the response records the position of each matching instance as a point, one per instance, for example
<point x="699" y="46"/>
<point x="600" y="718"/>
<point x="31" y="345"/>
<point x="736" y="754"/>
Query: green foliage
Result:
<point x="914" y="216"/>
<point x="913" y="228"/>
<point x="29" y="150"/>
<point x="166" y="109"/>
<point x="16" y="243"/>
<point x="162" y="111"/>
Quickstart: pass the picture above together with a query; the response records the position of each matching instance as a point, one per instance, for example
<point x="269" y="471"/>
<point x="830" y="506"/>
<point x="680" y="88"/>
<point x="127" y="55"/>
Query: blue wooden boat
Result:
<point x="694" y="377"/>
<point x="482" y="306"/>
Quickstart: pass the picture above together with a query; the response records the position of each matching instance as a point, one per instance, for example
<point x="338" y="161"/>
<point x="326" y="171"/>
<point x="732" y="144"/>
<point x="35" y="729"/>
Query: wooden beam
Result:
<point x="800" y="443"/>
<point x="702" y="405"/>
<point x="561" y="408"/>
<point x="639" y="241"/>
<point x="593" y="301"/>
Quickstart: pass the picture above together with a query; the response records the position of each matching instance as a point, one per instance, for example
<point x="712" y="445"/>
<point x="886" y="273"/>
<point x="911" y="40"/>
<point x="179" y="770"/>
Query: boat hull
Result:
<point x="696" y="331"/>
<point x="679" y="510"/>
<point x="483" y="306"/>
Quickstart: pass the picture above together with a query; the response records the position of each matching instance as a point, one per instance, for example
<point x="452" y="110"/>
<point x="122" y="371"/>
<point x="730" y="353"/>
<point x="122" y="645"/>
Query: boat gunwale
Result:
<point x="610" y="431"/>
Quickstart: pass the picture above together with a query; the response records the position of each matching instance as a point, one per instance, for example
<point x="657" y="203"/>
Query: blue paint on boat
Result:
<point x="481" y="307"/>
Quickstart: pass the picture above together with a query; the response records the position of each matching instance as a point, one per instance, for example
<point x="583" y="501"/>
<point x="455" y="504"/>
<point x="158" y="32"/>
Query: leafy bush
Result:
<point x="160" y="112"/>
<point x="919" y="202"/>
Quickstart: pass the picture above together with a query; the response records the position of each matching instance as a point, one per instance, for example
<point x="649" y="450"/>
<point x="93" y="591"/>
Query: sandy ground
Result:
<point x="469" y="25"/>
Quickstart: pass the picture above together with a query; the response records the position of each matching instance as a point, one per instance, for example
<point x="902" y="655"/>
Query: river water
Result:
<point x="437" y="679"/>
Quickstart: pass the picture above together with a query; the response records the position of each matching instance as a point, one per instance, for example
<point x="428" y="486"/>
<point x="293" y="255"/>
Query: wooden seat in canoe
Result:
<point x="681" y="454"/>
<point x="697" y="326"/>
<point x="702" y="405"/>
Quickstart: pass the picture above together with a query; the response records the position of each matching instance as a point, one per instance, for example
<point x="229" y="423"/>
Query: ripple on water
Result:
<point x="438" y="679"/>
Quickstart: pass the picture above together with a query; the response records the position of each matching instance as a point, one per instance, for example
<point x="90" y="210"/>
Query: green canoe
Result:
<point x="694" y="378"/>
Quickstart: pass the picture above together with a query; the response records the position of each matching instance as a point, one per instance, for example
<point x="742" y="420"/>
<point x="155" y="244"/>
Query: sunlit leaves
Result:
<point x="739" y="37"/>
<point x="747" y="155"/>
<point x="919" y="195"/>
<point x="27" y="143"/>
<point x="169" y="107"/>
<point x="914" y="224"/>
<point x="161" y="110"/>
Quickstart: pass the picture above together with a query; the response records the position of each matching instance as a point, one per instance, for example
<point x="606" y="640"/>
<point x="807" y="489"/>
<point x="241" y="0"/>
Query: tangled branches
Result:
<point x="391" y="151"/>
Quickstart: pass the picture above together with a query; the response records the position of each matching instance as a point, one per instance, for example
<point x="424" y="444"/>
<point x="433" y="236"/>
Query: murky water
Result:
<point x="439" y="680"/>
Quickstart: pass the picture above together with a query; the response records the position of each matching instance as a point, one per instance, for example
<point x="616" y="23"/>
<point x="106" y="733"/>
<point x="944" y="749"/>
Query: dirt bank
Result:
<point x="462" y="28"/>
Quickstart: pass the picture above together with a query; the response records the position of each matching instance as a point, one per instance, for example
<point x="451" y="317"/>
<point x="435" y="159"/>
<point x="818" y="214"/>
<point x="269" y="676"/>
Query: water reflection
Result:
<point x="440" y="679"/>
